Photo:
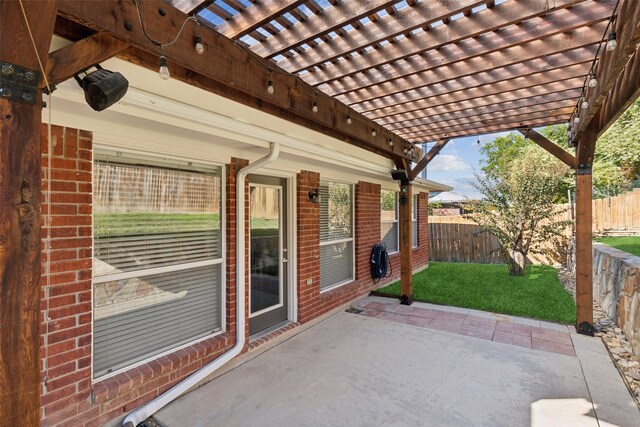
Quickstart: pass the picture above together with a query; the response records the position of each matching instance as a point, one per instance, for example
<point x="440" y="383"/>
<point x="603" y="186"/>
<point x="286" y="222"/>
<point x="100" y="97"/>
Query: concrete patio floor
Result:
<point x="359" y="370"/>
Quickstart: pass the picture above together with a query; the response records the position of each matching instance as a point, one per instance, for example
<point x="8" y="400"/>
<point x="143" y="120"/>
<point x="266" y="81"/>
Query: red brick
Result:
<point x="68" y="379"/>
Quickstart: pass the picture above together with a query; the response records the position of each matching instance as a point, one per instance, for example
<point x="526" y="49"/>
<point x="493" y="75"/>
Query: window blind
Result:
<point x="157" y="266"/>
<point x="336" y="234"/>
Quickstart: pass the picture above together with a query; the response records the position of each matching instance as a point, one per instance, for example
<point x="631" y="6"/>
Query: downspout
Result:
<point x="145" y="411"/>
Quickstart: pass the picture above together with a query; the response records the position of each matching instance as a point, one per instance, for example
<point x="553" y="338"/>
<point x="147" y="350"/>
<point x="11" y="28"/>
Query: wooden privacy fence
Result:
<point x="456" y="239"/>
<point x="621" y="212"/>
<point x="453" y="238"/>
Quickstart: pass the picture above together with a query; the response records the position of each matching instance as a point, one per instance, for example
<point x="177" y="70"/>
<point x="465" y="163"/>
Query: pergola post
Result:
<point x="20" y="139"/>
<point x="584" y="246"/>
<point x="406" y="264"/>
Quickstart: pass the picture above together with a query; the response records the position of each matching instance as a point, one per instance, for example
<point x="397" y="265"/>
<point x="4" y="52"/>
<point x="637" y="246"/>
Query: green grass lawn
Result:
<point x="539" y="294"/>
<point x="629" y="244"/>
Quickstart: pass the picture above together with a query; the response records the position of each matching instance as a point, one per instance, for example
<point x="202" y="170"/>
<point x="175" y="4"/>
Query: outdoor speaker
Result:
<point x="399" y="175"/>
<point x="103" y="88"/>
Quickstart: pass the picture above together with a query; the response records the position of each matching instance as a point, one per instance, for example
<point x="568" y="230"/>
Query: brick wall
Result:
<point x="308" y="246"/>
<point x="68" y="395"/>
<point x="66" y="291"/>
<point x="312" y="303"/>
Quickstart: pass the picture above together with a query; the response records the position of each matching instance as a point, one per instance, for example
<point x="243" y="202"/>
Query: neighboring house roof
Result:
<point x="448" y="197"/>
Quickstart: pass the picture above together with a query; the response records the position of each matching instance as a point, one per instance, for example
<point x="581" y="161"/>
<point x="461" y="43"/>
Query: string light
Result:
<point x="270" y="88"/>
<point x="585" y="104"/>
<point x="199" y="45"/>
<point x="590" y="79"/>
<point x="315" y="107"/>
<point x="164" y="69"/>
<point x="373" y="132"/>
<point x="611" y="42"/>
<point x="390" y="142"/>
<point x="348" y="119"/>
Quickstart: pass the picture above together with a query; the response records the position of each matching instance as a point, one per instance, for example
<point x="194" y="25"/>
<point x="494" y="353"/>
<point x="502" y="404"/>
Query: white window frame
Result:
<point x="396" y="220"/>
<point x="350" y="239"/>
<point x="176" y="162"/>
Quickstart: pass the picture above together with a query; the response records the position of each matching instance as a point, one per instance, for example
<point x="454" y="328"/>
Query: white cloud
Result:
<point x="448" y="162"/>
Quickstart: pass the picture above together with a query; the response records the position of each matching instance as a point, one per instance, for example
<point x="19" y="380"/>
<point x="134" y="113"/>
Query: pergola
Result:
<point x="383" y="75"/>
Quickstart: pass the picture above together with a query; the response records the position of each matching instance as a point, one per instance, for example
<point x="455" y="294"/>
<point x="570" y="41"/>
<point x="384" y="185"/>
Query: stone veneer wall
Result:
<point x="616" y="286"/>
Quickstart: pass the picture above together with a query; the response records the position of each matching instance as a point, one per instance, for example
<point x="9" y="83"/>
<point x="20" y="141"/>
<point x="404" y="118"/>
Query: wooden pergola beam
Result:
<point x="230" y="65"/>
<point x="255" y="16"/>
<point x="500" y="111"/>
<point x="443" y="113"/>
<point x="448" y="78"/>
<point x="476" y="96"/>
<point x="458" y="30"/>
<point x="550" y="147"/>
<point x="20" y="198"/>
<point x="612" y="64"/>
<point x="424" y="161"/>
<point x="489" y="120"/>
<point x="408" y="19"/>
<point x="332" y="19"/>
<point x="562" y="28"/>
<point x="67" y="61"/>
<point x="514" y="121"/>
<point x="483" y="130"/>
<point x="452" y="88"/>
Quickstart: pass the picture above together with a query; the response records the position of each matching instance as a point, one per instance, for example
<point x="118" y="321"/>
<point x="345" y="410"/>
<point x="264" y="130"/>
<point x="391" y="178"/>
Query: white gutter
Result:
<point x="145" y="411"/>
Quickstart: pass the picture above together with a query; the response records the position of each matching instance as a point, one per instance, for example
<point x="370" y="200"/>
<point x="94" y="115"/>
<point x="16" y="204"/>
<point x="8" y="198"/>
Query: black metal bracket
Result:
<point x="585" y="328"/>
<point x="583" y="169"/>
<point x="18" y="83"/>
<point x="406" y="300"/>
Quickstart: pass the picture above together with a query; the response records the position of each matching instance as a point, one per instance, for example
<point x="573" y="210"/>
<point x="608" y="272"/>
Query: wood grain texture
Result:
<point x="584" y="247"/>
<point x="426" y="159"/>
<point x="67" y="61"/>
<point x="550" y="147"/>
<point x="230" y="66"/>
<point x="612" y="64"/>
<point x="406" y="262"/>
<point x="20" y="194"/>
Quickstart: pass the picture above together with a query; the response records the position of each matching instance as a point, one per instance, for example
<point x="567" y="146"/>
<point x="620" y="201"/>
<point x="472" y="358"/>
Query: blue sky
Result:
<point x="457" y="163"/>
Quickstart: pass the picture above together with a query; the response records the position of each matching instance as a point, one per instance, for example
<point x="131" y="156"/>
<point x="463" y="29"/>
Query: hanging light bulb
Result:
<point x="611" y="41"/>
<point x="585" y="104"/>
<point x="373" y="132"/>
<point x="592" y="81"/>
<point x="348" y="120"/>
<point x="270" y="88"/>
<point x="390" y="142"/>
<point x="164" y="69"/>
<point x="199" y="45"/>
<point x="576" y="120"/>
<point x="315" y="107"/>
<point x="406" y="151"/>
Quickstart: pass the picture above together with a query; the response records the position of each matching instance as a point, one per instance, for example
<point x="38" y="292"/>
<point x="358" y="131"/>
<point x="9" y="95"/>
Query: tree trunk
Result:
<point x="516" y="260"/>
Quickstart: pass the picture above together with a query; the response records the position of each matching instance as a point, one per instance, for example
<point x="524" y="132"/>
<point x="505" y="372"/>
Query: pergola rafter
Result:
<point x="439" y="37"/>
